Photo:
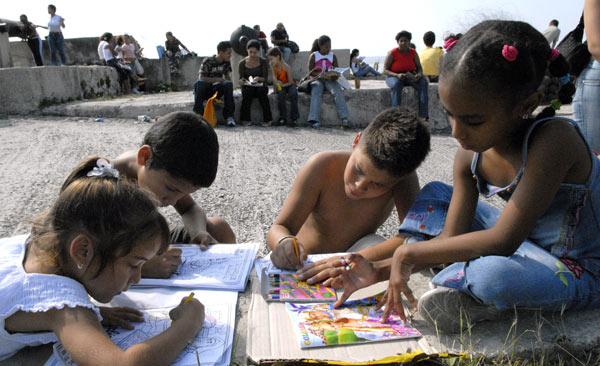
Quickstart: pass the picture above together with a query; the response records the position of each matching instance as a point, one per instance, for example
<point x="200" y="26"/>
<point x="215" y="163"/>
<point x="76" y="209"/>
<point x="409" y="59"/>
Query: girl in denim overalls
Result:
<point x="543" y="249"/>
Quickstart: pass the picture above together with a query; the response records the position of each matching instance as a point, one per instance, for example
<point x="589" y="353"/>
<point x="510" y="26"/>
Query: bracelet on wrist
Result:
<point x="285" y="237"/>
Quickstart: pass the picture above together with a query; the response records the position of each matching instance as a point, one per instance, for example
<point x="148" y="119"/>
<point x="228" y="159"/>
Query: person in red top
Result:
<point x="402" y="67"/>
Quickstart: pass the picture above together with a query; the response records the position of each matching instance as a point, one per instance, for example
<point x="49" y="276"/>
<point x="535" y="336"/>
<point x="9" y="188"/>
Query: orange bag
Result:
<point x="210" y="115"/>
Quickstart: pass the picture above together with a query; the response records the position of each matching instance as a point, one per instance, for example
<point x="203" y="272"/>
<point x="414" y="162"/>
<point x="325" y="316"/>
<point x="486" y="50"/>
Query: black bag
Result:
<point x="293" y="46"/>
<point x="574" y="51"/>
<point x="304" y="85"/>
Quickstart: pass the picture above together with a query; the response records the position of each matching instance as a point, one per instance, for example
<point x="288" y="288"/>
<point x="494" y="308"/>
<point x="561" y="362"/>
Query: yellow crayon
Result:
<point x="189" y="298"/>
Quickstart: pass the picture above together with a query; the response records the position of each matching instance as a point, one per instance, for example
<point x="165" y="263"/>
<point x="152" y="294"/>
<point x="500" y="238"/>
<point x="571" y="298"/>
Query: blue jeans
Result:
<point x="203" y="91"/>
<point x="421" y="85"/>
<point x="292" y="91"/>
<point x="528" y="278"/>
<point x="316" y="97"/>
<point x="286" y="51"/>
<point x="56" y="41"/>
<point x="365" y="70"/>
<point x="586" y="104"/>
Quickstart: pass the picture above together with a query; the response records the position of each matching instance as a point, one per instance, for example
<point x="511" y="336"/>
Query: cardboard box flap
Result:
<point x="271" y="335"/>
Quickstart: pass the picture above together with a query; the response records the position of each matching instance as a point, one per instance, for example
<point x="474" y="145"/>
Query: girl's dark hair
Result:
<point x="106" y="36"/>
<point x="404" y="33"/>
<point x="120" y="40"/>
<point x="52" y="7"/>
<point x="113" y="213"/>
<point x="317" y="43"/>
<point x="477" y="57"/>
<point x="274" y="51"/>
<point x="353" y="54"/>
<point x="253" y="43"/>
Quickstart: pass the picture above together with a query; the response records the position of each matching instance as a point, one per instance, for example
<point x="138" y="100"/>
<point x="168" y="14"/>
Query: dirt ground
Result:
<point x="257" y="167"/>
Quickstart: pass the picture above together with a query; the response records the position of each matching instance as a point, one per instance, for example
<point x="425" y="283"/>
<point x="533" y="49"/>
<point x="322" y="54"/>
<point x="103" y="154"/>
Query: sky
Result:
<point x="370" y="27"/>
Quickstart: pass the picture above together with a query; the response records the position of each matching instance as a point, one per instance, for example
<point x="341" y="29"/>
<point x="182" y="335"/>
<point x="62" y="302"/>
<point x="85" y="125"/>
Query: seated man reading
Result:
<point x="215" y="76"/>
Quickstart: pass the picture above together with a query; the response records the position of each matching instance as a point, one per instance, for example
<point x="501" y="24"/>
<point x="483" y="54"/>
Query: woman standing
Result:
<point x="33" y="39"/>
<point x="56" y="41"/>
<point x="403" y="67"/>
<point x="253" y="71"/>
<point x="586" y="110"/>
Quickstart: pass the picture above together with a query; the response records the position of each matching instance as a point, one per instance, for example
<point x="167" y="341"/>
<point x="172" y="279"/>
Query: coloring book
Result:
<point x="220" y="267"/>
<point x="212" y="346"/>
<point x="357" y="321"/>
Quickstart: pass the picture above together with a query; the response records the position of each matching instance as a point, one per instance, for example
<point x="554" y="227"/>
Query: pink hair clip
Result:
<point x="554" y="53"/>
<point x="450" y="42"/>
<point x="510" y="53"/>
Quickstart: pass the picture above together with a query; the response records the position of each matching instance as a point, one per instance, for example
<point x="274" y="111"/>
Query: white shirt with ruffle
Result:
<point x="34" y="292"/>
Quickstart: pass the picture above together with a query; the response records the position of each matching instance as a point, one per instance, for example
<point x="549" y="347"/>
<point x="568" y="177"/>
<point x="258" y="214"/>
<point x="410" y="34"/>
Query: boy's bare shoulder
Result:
<point x="327" y="162"/>
<point x="126" y="163"/>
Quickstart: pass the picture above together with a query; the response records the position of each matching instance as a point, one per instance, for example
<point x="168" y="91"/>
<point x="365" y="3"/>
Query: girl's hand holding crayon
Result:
<point x="120" y="316"/>
<point x="398" y="285"/>
<point x="190" y="310"/>
<point x="289" y="253"/>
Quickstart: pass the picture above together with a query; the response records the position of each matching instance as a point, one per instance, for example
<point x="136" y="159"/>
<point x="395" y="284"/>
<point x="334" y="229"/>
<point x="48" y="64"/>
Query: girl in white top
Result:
<point x="93" y="242"/>
<point x="56" y="41"/>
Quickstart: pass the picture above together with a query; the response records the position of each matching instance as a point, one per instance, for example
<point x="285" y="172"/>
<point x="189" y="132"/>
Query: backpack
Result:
<point x="574" y="51"/>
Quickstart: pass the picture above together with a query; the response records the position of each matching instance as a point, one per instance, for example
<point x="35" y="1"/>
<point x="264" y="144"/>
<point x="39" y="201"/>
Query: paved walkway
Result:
<point x="256" y="169"/>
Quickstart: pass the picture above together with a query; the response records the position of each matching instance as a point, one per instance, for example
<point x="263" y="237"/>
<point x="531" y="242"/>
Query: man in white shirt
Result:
<point x="552" y="32"/>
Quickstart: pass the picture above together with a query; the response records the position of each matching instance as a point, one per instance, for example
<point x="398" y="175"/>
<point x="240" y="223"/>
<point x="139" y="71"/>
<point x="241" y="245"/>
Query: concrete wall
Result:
<point x="27" y="90"/>
<point x="79" y="51"/>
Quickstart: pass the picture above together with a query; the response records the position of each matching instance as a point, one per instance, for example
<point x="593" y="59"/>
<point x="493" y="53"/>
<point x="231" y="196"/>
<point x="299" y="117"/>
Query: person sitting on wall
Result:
<point x="127" y="78"/>
<point x="403" y="67"/>
<point x="174" y="53"/>
<point x="279" y="39"/>
<point x="431" y="57"/>
<point x="215" y="76"/>
<point x="262" y="38"/>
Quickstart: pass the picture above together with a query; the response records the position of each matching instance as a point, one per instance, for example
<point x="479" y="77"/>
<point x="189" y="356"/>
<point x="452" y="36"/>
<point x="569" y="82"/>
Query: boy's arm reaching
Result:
<point x="301" y="201"/>
<point x="194" y="220"/>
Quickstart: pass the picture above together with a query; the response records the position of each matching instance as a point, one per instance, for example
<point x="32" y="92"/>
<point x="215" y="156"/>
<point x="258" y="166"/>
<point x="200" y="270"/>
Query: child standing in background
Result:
<point x="93" y="242"/>
<point x="543" y="249"/>
<point x="284" y="84"/>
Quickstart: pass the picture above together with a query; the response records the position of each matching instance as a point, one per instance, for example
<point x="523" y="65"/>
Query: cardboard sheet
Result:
<point x="271" y="336"/>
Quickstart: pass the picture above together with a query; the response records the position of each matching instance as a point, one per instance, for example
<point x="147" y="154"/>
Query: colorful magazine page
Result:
<point x="320" y="325"/>
<point x="286" y="287"/>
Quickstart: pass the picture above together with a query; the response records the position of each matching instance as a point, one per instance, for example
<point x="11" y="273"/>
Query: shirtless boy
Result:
<point x="178" y="156"/>
<point x="340" y="197"/>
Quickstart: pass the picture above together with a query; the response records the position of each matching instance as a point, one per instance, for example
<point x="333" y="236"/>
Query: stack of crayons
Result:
<point x="274" y="282"/>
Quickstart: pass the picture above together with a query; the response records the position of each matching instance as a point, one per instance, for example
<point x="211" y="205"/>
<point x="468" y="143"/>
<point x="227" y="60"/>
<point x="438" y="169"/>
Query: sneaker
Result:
<point x="315" y="125"/>
<point x="281" y="122"/>
<point x="346" y="124"/>
<point x="246" y="123"/>
<point x="266" y="124"/>
<point x="292" y="123"/>
<point x="452" y="311"/>
<point x="136" y="91"/>
<point x="230" y="122"/>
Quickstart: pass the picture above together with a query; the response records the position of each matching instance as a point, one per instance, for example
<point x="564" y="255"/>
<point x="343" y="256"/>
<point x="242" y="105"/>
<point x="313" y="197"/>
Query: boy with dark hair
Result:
<point x="431" y="58"/>
<point x="215" y="76"/>
<point x="179" y="155"/>
<point x="340" y="198"/>
<point x="552" y="33"/>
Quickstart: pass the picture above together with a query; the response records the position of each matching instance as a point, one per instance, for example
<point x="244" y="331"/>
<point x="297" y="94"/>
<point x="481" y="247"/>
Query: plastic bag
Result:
<point x="210" y="115"/>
